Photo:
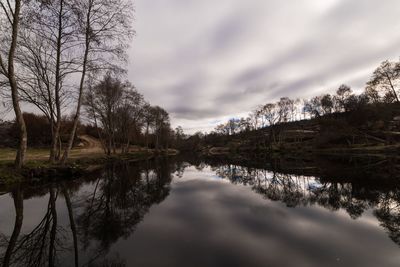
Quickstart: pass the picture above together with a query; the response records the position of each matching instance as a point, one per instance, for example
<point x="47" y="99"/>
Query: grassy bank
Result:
<point x="82" y="161"/>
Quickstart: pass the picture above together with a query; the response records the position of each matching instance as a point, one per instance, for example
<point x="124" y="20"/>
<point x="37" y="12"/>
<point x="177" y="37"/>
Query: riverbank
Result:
<point x="367" y="168"/>
<point x="300" y="150"/>
<point x="38" y="170"/>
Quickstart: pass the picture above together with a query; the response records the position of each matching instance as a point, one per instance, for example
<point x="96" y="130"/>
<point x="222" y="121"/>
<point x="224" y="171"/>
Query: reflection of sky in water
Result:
<point x="208" y="221"/>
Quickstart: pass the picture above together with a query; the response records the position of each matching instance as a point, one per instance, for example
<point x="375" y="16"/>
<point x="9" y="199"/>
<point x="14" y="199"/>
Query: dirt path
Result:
<point x="89" y="146"/>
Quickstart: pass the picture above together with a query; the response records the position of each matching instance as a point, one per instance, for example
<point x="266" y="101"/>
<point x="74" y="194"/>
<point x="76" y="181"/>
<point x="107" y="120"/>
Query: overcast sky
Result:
<point x="205" y="61"/>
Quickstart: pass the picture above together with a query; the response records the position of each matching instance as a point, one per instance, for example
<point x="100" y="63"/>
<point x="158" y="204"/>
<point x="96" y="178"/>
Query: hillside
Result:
<point x="372" y="129"/>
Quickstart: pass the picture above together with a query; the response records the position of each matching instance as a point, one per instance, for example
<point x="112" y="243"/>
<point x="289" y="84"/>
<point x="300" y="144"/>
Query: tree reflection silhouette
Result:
<point x="117" y="201"/>
<point x="121" y="198"/>
<point x="38" y="247"/>
<point x="83" y="219"/>
<point x="300" y="190"/>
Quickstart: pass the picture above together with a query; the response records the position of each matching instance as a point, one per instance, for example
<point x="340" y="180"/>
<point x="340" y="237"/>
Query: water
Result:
<point x="170" y="212"/>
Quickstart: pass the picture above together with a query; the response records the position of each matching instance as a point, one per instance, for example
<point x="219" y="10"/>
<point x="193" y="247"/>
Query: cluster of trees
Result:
<point x="382" y="88"/>
<point x="120" y="115"/>
<point x="51" y="55"/>
<point x="48" y="51"/>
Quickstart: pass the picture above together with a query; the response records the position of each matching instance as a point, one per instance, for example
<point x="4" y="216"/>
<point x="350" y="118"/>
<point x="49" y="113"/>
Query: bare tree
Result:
<point x="222" y="129"/>
<point x="118" y="109"/>
<point x="46" y="58"/>
<point x="244" y="125"/>
<point x="12" y="18"/>
<point x="284" y="108"/>
<point x="342" y="93"/>
<point x="254" y="118"/>
<point x="372" y="94"/>
<point x="161" y="123"/>
<point x="148" y="117"/>
<point x="327" y="103"/>
<point x="106" y="28"/>
<point x="270" y="113"/>
<point x="386" y="78"/>
<point x="105" y="100"/>
<point x="130" y="116"/>
<point x="313" y="107"/>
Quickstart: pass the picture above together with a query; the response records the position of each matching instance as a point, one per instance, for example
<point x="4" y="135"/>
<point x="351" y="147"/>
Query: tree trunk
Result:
<point x="22" y="139"/>
<point x="147" y="136"/>
<point x="79" y="104"/>
<point x="393" y="89"/>
<point x="53" y="150"/>
<point x="55" y="143"/>
<point x="82" y="82"/>
<point x="102" y="141"/>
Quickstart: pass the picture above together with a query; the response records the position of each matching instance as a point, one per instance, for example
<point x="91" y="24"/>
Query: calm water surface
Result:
<point x="173" y="213"/>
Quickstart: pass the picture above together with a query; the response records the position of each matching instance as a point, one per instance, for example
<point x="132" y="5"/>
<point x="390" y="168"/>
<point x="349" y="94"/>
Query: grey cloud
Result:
<point x="204" y="60"/>
<point x="193" y="113"/>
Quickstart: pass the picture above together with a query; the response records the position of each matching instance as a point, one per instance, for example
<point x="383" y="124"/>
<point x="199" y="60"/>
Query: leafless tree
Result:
<point x="387" y="78"/>
<point x="130" y="116"/>
<point x="342" y="93"/>
<point x="105" y="98"/>
<point x="118" y="109"/>
<point x="254" y="118"/>
<point x="313" y="107"/>
<point x="161" y="124"/>
<point x="327" y="103"/>
<point x="10" y="22"/>
<point x="106" y="29"/>
<point x="270" y="113"/>
<point x="148" y="118"/>
<point x="47" y="44"/>
<point x="284" y="108"/>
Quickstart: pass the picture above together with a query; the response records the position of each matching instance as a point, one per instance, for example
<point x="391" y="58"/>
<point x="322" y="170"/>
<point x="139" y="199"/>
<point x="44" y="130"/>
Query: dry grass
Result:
<point x="91" y="148"/>
<point x="8" y="155"/>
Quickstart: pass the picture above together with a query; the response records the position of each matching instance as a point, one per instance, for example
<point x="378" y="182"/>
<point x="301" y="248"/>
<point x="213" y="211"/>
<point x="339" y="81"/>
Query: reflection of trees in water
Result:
<point x="389" y="214"/>
<point x="121" y="198"/>
<point x="18" y="197"/>
<point x="298" y="190"/>
<point x="117" y="201"/>
<point x="38" y="247"/>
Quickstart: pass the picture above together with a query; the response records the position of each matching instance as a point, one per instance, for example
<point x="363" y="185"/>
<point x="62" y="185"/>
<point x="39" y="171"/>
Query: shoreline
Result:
<point x="41" y="171"/>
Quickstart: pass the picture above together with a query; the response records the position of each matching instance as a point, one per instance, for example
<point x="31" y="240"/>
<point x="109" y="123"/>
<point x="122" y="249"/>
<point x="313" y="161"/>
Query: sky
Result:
<point x="206" y="61"/>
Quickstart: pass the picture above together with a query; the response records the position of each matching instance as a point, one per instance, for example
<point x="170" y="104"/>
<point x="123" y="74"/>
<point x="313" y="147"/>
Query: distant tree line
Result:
<point x="382" y="88"/>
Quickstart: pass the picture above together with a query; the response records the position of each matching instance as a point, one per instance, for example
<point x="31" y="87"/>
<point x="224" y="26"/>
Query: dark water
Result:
<point x="169" y="212"/>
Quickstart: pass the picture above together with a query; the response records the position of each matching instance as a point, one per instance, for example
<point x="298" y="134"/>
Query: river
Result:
<point x="181" y="212"/>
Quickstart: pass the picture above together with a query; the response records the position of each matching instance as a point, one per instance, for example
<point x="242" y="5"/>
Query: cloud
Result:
<point x="207" y="60"/>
